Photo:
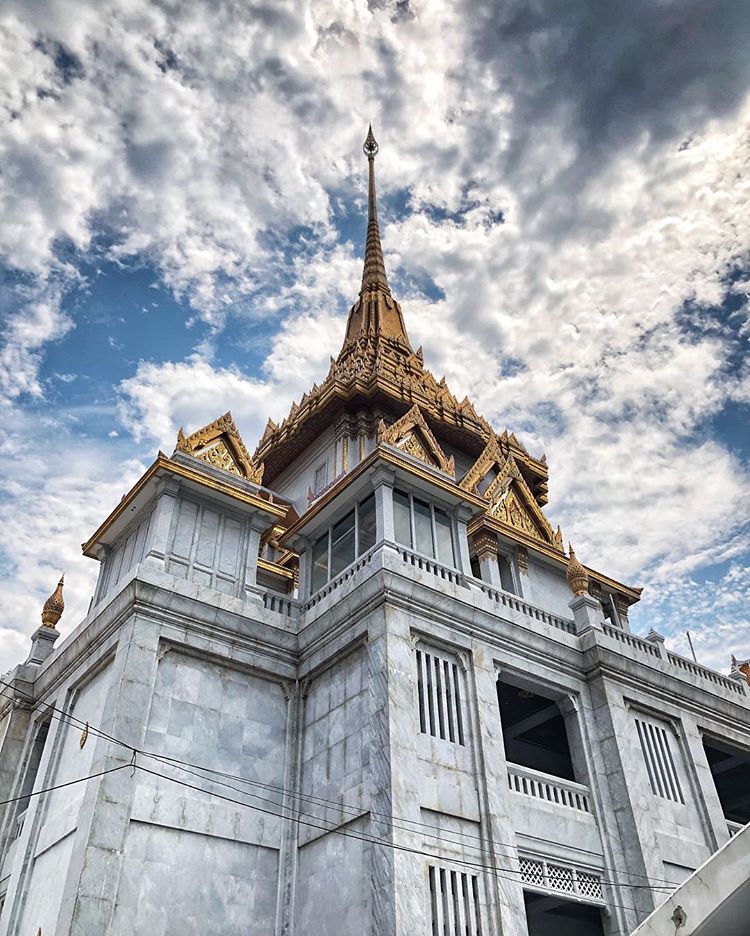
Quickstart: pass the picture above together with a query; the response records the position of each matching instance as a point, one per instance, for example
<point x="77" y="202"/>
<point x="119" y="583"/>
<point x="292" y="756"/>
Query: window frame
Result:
<point x="515" y="577"/>
<point x="433" y="527"/>
<point x="328" y="535"/>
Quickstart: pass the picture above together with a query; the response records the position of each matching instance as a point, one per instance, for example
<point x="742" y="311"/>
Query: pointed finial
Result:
<point x="373" y="274"/>
<point x="54" y="605"/>
<point x="370" y="146"/>
<point x="577" y="576"/>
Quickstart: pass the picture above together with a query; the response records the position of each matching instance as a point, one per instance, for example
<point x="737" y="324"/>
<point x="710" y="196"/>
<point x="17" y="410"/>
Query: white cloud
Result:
<point x="55" y="490"/>
<point x="199" y="141"/>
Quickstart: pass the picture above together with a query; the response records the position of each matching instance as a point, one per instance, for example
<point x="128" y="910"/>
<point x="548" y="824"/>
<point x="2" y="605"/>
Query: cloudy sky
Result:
<point x="564" y="190"/>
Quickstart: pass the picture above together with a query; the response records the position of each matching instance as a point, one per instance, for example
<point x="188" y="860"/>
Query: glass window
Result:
<point x="320" y="563"/>
<point x="423" y="528"/>
<point x="402" y="518"/>
<point x="366" y="523"/>
<point x="443" y="538"/>
<point x="506" y="574"/>
<point x="342" y="544"/>
<point x="348" y="538"/>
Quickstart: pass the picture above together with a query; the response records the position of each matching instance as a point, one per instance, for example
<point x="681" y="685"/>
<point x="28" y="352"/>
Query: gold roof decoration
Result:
<point x="377" y="365"/>
<point x="578" y="577"/>
<point x="220" y="444"/>
<point x="413" y="436"/>
<point x="508" y="495"/>
<point x="54" y="606"/>
<point x="743" y="667"/>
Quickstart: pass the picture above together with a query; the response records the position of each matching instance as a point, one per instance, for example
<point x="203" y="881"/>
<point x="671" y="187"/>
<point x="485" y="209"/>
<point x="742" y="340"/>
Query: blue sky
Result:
<point x="563" y="198"/>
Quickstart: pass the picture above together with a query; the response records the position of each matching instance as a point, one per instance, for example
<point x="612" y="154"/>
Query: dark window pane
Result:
<point x="444" y="538"/>
<point x="506" y="575"/>
<point x="366" y="524"/>
<point x="320" y="563"/>
<point x="423" y="528"/>
<point x="342" y="544"/>
<point x="401" y="520"/>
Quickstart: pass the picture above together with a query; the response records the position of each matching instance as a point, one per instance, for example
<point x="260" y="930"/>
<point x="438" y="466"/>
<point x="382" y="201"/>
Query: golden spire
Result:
<point x="375" y="314"/>
<point x="577" y="576"/>
<point x="54" y="606"/>
<point x="374" y="271"/>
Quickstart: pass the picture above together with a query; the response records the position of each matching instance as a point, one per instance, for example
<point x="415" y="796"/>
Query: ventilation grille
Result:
<point x="659" y="761"/>
<point x="562" y="879"/>
<point x="439" y="685"/>
<point x="454" y="903"/>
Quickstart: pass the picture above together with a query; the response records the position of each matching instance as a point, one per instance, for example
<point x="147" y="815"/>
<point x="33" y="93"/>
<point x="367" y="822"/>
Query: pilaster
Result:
<point x="383" y="481"/>
<point x="506" y="906"/>
<point x="161" y="522"/>
<point x="42" y="644"/>
<point x="256" y="526"/>
<point x="486" y="546"/>
<point x="91" y="889"/>
<point x="587" y="613"/>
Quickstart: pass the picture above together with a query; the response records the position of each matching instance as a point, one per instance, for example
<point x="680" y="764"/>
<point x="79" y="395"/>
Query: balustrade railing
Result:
<point x="553" y="790"/>
<point x="696" y="669"/>
<point x="418" y="561"/>
<point x="281" y="604"/>
<point x="508" y="600"/>
<point x="638" y="643"/>
<point x="342" y="577"/>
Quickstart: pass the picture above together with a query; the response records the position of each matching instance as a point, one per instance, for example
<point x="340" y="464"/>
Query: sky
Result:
<point x="563" y="197"/>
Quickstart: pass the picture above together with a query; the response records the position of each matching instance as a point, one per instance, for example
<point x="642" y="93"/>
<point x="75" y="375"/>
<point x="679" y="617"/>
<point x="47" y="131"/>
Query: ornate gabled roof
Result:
<point x="220" y="444"/>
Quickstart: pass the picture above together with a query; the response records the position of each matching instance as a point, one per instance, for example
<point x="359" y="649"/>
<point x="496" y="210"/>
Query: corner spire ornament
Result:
<point x="54" y="606"/>
<point x="373" y="275"/>
<point x="577" y="576"/>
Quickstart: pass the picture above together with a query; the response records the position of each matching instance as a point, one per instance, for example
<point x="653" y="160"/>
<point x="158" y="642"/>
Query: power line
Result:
<point x="393" y="826"/>
<point x="60" y="786"/>
<point x="663" y="884"/>
<point x="500" y="872"/>
<point x="372" y="840"/>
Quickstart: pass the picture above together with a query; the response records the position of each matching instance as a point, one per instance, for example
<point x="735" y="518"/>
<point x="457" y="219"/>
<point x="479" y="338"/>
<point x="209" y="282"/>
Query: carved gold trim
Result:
<point x="275" y="569"/>
<point x="54" y="606"/>
<point x="485" y="544"/>
<point x="576" y="574"/>
<point x="405" y="433"/>
<point x="220" y="444"/>
<point x="480" y="520"/>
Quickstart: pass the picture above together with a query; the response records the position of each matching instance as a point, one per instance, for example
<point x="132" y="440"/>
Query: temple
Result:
<point x="354" y="683"/>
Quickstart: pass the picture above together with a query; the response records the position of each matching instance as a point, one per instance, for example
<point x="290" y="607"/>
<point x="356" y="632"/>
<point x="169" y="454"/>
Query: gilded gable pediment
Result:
<point x="220" y="444"/>
<point x="509" y="498"/>
<point x="413" y="436"/>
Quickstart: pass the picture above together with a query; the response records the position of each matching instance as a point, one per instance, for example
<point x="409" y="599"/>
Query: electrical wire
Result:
<point x="430" y="832"/>
<point x="60" y="786"/>
<point x="500" y="873"/>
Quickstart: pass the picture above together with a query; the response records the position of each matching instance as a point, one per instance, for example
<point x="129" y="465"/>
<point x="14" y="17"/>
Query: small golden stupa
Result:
<point x="54" y="606"/>
<point x="577" y="576"/>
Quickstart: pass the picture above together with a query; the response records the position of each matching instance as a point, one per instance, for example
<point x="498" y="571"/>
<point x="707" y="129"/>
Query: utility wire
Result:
<point x="430" y="832"/>
<point x="60" y="786"/>
<point x="363" y="837"/>
<point x="392" y="826"/>
<point x="499" y="872"/>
